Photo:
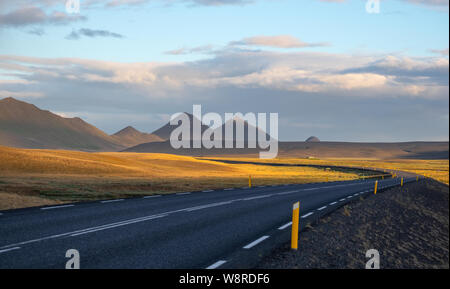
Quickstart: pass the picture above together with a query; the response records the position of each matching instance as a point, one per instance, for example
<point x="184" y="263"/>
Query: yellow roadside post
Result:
<point x="295" y="221"/>
<point x="401" y="182"/>
<point x="376" y="187"/>
<point x="417" y="178"/>
<point x="249" y="181"/>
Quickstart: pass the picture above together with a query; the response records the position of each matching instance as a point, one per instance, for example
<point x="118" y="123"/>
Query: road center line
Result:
<point x="257" y="197"/>
<point x="118" y="225"/>
<point x="256" y="242"/>
<point x="333" y="203"/>
<point x="10" y="249"/>
<point x="141" y="219"/>
<point x="321" y="208"/>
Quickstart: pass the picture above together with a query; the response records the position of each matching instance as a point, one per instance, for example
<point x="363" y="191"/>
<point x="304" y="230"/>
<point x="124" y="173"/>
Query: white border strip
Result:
<point x="217" y="264"/>
<point x="256" y="242"/>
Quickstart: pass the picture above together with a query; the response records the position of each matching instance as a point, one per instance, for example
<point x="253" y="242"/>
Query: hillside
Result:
<point x="26" y="126"/>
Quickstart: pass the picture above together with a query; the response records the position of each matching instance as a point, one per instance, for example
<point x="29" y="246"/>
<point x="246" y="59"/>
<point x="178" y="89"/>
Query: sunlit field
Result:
<point x="53" y="176"/>
<point x="435" y="169"/>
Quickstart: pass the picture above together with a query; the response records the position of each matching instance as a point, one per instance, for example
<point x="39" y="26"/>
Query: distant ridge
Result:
<point x="130" y="136"/>
<point x="312" y="139"/>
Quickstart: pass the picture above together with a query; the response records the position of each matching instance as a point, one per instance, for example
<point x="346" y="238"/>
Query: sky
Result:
<point x="329" y="68"/>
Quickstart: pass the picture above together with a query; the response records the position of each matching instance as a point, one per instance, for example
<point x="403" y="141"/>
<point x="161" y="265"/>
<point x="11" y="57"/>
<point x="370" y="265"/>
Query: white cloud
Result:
<point x="279" y="41"/>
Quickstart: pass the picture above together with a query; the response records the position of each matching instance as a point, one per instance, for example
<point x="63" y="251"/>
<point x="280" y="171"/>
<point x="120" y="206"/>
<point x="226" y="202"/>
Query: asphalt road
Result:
<point x="229" y="228"/>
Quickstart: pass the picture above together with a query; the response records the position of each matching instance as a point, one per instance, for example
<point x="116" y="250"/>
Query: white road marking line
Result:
<point x="341" y="200"/>
<point x="207" y="191"/>
<point x="349" y="197"/>
<point x="10" y="249"/>
<point x="126" y="223"/>
<point x="320" y="209"/>
<point x="207" y="206"/>
<point x="101" y="228"/>
<point x="333" y="203"/>
<point x="257" y="197"/>
<point x="229" y="189"/>
<point x="217" y="264"/>
<point x="256" y="242"/>
<point x="57" y="207"/>
<point x="355" y="194"/>
<point x="186" y="193"/>
<point x="111" y="201"/>
<point x="285" y="226"/>
<point x="153" y="196"/>
<point x="286" y="193"/>
<point x="307" y="215"/>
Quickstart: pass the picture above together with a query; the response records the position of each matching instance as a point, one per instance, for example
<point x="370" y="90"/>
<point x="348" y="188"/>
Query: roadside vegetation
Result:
<point x="38" y="177"/>
<point x="435" y="169"/>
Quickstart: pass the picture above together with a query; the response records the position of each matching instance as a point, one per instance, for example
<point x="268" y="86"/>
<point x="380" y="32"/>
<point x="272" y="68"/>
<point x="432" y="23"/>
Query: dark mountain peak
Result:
<point x="128" y="130"/>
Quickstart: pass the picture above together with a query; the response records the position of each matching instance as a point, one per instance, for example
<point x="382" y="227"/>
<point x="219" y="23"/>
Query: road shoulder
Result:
<point x="409" y="227"/>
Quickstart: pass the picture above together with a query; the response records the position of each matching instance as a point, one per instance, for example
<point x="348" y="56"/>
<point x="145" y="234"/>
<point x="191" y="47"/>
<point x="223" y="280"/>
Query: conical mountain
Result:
<point x="130" y="136"/>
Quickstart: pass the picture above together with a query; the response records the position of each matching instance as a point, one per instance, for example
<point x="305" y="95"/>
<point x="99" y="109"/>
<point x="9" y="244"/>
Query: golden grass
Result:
<point x="435" y="169"/>
<point x="14" y="201"/>
<point x="72" y="175"/>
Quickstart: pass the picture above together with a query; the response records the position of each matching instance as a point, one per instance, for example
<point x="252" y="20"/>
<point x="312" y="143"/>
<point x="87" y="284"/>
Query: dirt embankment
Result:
<point x="409" y="227"/>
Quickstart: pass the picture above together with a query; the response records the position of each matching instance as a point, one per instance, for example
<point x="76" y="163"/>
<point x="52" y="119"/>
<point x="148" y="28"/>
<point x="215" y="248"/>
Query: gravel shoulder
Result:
<point x="409" y="227"/>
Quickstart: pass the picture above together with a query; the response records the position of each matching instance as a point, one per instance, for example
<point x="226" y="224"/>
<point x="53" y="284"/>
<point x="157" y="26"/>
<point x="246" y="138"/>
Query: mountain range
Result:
<point x="24" y="125"/>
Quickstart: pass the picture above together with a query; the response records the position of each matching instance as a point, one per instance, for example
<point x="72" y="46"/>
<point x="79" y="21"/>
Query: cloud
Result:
<point x="302" y="72"/>
<point x="116" y="3"/>
<point x="205" y="49"/>
<point x="279" y="41"/>
<point x="443" y="52"/>
<point x="28" y="16"/>
<point x="36" y="31"/>
<point x="375" y="95"/>
<point x="76" y="34"/>
<point x="429" y="2"/>
<point x="409" y="70"/>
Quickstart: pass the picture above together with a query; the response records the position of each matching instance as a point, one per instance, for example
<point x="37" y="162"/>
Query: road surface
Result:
<point x="229" y="228"/>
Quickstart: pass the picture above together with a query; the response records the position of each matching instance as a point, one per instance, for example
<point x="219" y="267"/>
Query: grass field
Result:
<point x="38" y="177"/>
<point x="435" y="169"/>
